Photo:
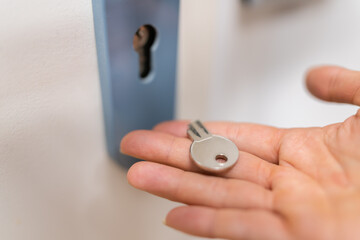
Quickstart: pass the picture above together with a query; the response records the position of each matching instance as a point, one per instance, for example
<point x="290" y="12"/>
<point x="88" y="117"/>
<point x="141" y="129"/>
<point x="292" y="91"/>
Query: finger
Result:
<point x="259" y="140"/>
<point x="174" y="151"/>
<point x="227" y="223"/>
<point x="334" y="84"/>
<point x="197" y="189"/>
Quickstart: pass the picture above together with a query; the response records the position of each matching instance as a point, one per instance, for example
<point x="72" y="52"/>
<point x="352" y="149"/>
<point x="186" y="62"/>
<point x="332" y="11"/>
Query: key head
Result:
<point x="214" y="154"/>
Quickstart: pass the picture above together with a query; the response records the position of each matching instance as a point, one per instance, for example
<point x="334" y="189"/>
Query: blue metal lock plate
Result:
<point x="130" y="102"/>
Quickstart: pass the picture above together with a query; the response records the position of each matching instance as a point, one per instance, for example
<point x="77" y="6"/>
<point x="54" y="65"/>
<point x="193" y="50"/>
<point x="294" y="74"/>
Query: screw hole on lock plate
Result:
<point x="221" y="158"/>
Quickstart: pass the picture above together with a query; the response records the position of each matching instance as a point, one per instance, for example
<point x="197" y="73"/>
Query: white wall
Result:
<point x="248" y="64"/>
<point x="56" y="181"/>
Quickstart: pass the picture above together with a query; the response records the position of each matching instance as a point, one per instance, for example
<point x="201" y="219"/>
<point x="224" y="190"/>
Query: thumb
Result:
<point x="334" y="84"/>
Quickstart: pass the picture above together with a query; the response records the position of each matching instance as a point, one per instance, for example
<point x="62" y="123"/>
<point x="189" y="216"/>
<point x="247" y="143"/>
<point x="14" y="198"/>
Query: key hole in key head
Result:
<point x="143" y="42"/>
<point x="221" y="158"/>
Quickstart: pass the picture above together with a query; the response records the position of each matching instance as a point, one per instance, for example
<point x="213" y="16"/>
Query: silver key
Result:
<point x="210" y="152"/>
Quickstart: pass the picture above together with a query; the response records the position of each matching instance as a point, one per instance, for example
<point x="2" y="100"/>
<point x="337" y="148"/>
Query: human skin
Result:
<point x="287" y="184"/>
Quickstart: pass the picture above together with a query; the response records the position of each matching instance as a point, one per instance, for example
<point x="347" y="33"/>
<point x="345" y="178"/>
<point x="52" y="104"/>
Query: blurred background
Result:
<point x="236" y="62"/>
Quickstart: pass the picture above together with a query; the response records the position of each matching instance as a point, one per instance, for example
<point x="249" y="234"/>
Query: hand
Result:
<point x="287" y="184"/>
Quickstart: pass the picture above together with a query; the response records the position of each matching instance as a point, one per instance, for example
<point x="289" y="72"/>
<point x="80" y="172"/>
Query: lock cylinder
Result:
<point x="143" y="42"/>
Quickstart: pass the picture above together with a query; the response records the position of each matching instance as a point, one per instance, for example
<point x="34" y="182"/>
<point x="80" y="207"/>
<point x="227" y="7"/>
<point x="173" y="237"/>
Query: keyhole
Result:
<point x="143" y="42"/>
<point x="221" y="158"/>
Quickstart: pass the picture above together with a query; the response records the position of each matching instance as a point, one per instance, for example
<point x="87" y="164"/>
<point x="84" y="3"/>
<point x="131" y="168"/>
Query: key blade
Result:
<point x="197" y="131"/>
<point x="202" y="127"/>
<point x="194" y="135"/>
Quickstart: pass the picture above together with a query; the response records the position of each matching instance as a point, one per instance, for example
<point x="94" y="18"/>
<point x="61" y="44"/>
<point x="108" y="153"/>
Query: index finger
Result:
<point x="171" y="150"/>
<point x="259" y="140"/>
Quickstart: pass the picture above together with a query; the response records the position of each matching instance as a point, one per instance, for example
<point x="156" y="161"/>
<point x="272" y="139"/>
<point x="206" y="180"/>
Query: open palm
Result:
<point x="287" y="184"/>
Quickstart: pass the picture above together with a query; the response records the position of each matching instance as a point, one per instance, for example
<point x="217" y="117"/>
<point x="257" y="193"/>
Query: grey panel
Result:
<point x="131" y="102"/>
